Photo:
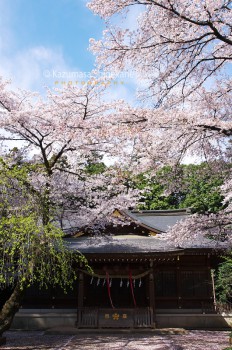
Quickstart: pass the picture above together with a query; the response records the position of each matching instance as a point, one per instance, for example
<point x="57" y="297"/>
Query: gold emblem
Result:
<point x="124" y="315"/>
<point x="116" y="316"/>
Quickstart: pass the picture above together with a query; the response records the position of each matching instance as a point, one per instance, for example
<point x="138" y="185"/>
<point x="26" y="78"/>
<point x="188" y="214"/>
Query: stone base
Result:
<point x="194" y="321"/>
<point x="2" y="341"/>
<point x="43" y="319"/>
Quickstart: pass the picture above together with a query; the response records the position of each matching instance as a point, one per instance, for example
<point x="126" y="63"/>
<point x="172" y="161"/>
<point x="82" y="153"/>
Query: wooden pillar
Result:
<point x="80" y="290"/>
<point x="80" y="297"/>
<point x="178" y="276"/>
<point x="211" y="291"/>
<point x="152" y="295"/>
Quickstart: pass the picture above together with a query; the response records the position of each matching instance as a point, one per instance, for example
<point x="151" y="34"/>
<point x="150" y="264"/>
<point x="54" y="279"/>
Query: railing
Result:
<point x="114" y="318"/>
<point x="87" y="318"/>
<point x="208" y="307"/>
<point x="143" y="318"/>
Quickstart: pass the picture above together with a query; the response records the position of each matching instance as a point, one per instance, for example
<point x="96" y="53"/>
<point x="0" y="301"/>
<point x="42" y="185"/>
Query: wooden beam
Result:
<point x="80" y="290"/>
<point x="152" y="294"/>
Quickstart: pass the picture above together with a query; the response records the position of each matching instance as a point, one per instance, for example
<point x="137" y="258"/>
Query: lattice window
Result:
<point x="166" y="284"/>
<point x="194" y="283"/>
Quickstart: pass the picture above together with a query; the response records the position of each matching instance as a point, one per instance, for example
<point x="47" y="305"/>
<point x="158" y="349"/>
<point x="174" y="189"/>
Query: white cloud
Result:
<point x="26" y="68"/>
<point x="33" y="68"/>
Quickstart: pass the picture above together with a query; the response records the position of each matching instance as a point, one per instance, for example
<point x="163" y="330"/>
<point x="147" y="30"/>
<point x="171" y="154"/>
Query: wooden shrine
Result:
<point x="136" y="274"/>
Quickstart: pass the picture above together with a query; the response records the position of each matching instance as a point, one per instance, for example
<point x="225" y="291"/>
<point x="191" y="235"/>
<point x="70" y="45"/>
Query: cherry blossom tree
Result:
<point x="176" y="44"/>
<point x="47" y="189"/>
<point x="182" y="51"/>
<point x="30" y="251"/>
<point x="61" y="134"/>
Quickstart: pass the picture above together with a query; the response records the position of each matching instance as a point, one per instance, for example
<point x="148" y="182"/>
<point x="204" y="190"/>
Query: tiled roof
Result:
<point x="160" y="220"/>
<point x="129" y="243"/>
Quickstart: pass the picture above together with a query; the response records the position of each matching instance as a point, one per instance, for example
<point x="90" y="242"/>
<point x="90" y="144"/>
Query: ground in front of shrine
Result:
<point x="194" y="340"/>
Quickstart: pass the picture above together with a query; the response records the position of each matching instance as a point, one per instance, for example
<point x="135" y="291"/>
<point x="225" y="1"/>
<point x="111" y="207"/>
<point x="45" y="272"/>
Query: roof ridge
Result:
<point x="159" y="211"/>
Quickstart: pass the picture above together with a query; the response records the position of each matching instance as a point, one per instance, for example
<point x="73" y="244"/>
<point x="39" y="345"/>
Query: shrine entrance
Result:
<point x="109" y="299"/>
<point x="96" y="292"/>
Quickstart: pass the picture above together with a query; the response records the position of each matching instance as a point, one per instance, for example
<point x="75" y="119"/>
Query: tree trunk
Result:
<point x="10" y="308"/>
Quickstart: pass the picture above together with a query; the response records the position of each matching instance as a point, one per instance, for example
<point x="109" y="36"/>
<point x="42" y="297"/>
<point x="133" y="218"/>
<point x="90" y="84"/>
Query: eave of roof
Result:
<point x="128" y="245"/>
<point x="119" y="244"/>
<point x="157" y="221"/>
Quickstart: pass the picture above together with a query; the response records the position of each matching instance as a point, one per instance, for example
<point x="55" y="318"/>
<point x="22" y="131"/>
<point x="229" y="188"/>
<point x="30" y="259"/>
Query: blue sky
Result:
<point x="63" y="24"/>
<point x="38" y="35"/>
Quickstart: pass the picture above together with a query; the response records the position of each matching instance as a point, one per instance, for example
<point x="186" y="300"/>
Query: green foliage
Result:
<point x="94" y="164"/>
<point x="153" y="197"/>
<point x="30" y="251"/>
<point x="201" y="188"/>
<point x="224" y="280"/>
<point x="195" y="186"/>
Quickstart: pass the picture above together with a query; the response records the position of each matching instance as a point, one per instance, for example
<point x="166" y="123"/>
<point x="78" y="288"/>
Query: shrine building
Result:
<point x="140" y="279"/>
